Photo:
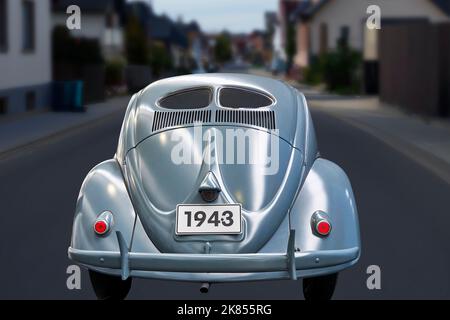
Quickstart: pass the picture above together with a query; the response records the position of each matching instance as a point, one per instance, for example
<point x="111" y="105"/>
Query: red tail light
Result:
<point x="103" y="223"/>
<point x="323" y="228"/>
<point x="320" y="224"/>
<point x="101" y="227"/>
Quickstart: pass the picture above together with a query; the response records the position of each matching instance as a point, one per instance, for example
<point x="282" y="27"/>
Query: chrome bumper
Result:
<point x="216" y="267"/>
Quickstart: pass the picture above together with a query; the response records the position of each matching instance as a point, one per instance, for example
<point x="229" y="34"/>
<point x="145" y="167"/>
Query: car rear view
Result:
<point x="216" y="178"/>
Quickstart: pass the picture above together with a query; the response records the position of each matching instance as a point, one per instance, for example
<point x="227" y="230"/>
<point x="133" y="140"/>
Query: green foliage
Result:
<point x="341" y="70"/>
<point x="314" y="74"/>
<point x="141" y="51"/>
<point x="338" y="69"/>
<point x="222" y="49"/>
<point x="257" y="59"/>
<point x="75" y="51"/>
<point x="114" y="72"/>
<point x="136" y="42"/>
<point x="159" y="59"/>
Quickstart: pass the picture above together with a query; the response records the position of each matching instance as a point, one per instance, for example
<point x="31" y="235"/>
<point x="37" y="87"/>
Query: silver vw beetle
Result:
<point x="216" y="178"/>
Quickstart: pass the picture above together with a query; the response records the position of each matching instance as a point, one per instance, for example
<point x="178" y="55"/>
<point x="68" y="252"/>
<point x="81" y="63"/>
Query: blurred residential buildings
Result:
<point x="198" y="45"/>
<point x="406" y="62"/>
<point x="37" y="49"/>
<point x="102" y="20"/>
<point x="286" y="30"/>
<point x="274" y="36"/>
<point x="321" y="24"/>
<point x="179" y="39"/>
<point x="25" y="55"/>
<point x="304" y="38"/>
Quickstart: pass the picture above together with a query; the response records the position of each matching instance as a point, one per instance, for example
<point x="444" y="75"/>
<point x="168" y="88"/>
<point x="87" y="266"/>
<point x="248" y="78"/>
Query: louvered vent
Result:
<point x="163" y="120"/>
<point x="264" y="119"/>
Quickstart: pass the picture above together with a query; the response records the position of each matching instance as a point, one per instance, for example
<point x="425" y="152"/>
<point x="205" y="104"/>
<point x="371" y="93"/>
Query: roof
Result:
<point x="97" y="6"/>
<point x="307" y="8"/>
<point x="302" y="9"/>
<point x="94" y="7"/>
<point x="444" y="5"/>
<point x="158" y="27"/>
<point x="191" y="26"/>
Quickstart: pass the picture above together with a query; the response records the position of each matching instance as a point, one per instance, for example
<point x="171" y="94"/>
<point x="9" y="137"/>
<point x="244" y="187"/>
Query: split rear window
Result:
<point x="188" y="99"/>
<point x="243" y="98"/>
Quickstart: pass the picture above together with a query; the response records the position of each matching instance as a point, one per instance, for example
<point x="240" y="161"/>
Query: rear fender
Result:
<point x="326" y="189"/>
<point x="103" y="190"/>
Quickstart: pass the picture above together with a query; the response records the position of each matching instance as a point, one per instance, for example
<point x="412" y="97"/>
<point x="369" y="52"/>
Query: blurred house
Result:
<point x="257" y="48"/>
<point x="321" y="23"/>
<point x="239" y="46"/>
<point x="281" y="28"/>
<point x="198" y="45"/>
<point x="101" y="20"/>
<point x="25" y="55"/>
<point x="285" y="10"/>
<point x="271" y="20"/>
<point x="164" y="30"/>
<point x="256" y="40"/>
<point x="210" y="43"/>
<point x="160" y="28"/>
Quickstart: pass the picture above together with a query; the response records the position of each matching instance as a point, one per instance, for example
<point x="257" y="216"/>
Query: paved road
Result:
<point x="403" y="214"/>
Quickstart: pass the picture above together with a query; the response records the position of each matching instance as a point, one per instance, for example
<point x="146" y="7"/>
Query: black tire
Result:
<point x="108" y="287"/>
<point x="319" y="288"/>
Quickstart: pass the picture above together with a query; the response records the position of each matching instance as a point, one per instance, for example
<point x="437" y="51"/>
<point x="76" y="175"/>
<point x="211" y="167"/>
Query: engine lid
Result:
<point x="161" y="177"/>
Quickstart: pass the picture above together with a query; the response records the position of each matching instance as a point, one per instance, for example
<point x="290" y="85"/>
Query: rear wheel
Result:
<point x="320" y="288"/>
<point x="108" y="287"/>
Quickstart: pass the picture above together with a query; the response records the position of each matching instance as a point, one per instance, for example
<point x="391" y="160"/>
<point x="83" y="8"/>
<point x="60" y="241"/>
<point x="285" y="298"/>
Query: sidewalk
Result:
<point x="24" y="130"/>
<point x="425" y="140"/>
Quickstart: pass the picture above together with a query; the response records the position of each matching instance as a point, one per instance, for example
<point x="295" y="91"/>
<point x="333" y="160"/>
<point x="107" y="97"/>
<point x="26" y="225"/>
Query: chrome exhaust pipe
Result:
<point x="204" y="287"/>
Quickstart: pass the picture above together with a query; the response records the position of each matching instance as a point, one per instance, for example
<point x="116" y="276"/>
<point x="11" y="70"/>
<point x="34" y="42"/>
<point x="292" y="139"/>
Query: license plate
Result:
<point x="208" y="219"/>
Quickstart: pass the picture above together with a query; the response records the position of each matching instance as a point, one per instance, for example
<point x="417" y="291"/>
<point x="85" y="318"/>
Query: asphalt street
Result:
<point x="403" y="210"/>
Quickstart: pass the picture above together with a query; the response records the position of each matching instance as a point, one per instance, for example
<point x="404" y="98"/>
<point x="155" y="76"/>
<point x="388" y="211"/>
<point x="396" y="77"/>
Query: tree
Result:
<point x="291" y="45"/>
<point x="136" y="42"/>
<point x="341" y="69"/>
<point x="160" y="58"/>
<point x="222" y="49"/>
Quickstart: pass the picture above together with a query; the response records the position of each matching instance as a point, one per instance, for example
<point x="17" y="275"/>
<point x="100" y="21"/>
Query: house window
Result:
<point x="30" y="100"/>
<point x="3" y="105"/>
<point x="323" y="38"/>
<point x="28" y="26"/>
<point x="344" y="36"/>
<point x="3" y="26"/>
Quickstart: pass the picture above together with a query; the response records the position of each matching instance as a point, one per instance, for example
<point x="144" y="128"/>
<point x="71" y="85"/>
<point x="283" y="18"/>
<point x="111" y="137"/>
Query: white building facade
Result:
<point x="328" y="21"/>
<point x="25" y="55"/>
<point x="351" y="15"/>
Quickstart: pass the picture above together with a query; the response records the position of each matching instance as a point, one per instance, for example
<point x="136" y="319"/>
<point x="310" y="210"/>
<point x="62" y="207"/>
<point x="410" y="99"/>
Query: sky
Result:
<point x="217" y="15"/>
